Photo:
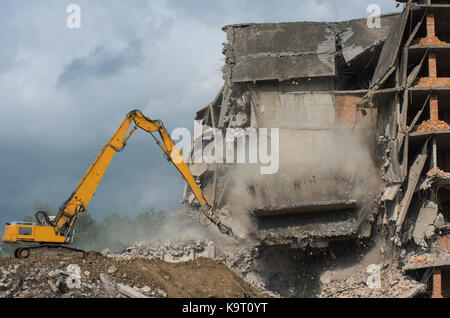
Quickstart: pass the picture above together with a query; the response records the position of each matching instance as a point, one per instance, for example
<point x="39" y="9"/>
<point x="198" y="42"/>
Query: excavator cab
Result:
<point x="42" y="231"/>
<point x="16" y="232"/>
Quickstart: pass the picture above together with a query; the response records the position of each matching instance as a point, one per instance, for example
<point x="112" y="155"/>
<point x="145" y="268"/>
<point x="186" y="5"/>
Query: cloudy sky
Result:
<point x="64" y="91"/>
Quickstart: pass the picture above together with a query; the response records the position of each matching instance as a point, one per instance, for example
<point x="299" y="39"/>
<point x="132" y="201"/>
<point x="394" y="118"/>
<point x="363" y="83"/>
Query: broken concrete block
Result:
<point x="211" y="250"/>
<point x="52" y="286"/>
<point x="54" y="273"/>
<point x="429" y="233"/>
<point x="163" y="293"/>
<point x="414" y="291"/>
<point x="146" y="290"/>
<point x="439" y="223"/>
<point x="129" y="291"/>
<point x="326" y="277"/>
<point x="112" y="269"/>
<point x="424" y="227"/>
<point x="105" y="251"/>
<point x="109" y="285"/>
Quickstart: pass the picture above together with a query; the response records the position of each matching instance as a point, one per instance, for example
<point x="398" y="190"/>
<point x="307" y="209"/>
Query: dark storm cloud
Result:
<point x="100" y="63"/>
<point x="64" y="92"/>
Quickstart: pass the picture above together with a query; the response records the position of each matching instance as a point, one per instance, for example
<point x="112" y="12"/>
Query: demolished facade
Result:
<point x="364" y="134"/>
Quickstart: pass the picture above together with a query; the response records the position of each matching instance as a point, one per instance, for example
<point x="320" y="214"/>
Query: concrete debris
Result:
<point x="431" y="125"/>
<point x="43" y="282"/>
<point x="427" y="260"/>
<point x="393" y="284"/>
<point x="439" y="223"/>
<point x="424" y="228"/>
<point x="434" y="178"/>
<point x="109" y="286"/>
<point x="47" y="277"/>
<point x="241" y="260"/>
<point x="280" y="271"/>
<point x="129" y="292"/>
<point x="363" y="178"/>
<point x="169" y="251"/>
<point x="276" y="271"/>
<point x="112" y="269"/>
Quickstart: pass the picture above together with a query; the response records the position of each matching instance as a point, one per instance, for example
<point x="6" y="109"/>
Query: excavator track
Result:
<point x="43" y="249"/>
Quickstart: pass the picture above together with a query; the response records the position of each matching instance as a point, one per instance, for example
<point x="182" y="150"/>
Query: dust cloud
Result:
<point x="314" y="167"/>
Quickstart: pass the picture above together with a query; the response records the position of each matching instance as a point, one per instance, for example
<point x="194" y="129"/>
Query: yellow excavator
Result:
<point x="58" y="231"/>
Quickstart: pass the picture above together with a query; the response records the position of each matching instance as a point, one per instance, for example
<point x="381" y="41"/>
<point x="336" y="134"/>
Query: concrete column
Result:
<point x="437" y="284"/>
<point x="434" y="163"/>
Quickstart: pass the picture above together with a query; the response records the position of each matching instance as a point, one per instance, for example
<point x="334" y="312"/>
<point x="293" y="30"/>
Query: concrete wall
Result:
<point x="294" y="110"/>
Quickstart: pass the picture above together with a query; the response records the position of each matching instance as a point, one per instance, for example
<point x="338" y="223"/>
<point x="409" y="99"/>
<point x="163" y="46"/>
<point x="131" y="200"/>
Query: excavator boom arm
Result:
<point x="80" y="198"/>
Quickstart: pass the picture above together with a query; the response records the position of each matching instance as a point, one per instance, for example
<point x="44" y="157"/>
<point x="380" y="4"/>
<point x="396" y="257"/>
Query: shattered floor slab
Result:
<point x="427" y="260"/>
<point x="305" y="208"/>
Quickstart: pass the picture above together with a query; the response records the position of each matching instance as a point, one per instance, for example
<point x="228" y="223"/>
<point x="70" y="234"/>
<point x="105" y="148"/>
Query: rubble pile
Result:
<point x="427" y="260"/>
<point x="433" y="125"/>
<point x="65" y="281"/>
<point x="170" y="251"/>
<point x="393" y="285"/>
<point x="243" y="261"/>
<point x="439" y="172"/>
<point x="210" y="271"/>
<point x="239" y="259"/>
<point x="430" y="40"/>
<point x="435" y="177"/>
<point x="98" y="276"/>
<point x="257" y="267"/>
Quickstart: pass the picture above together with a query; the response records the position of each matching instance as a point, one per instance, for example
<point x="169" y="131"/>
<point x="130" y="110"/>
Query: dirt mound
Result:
<point x="101" y="276"/>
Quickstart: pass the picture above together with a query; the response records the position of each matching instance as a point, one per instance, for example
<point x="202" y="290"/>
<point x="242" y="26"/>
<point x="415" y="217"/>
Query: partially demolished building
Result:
<point x="364" y="133"/>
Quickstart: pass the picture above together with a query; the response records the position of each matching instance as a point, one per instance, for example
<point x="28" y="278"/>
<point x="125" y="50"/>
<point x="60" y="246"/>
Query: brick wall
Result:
<point x="432" y="80"/>
<point x="432" y="68"/>
<point x="348" y="114"/>
<point x="444" y="242"/>
<point x="431" y="38"/>
<point x="434" y="108"/>
<point x="431" y="28"/>
<point x="437" y="284"/>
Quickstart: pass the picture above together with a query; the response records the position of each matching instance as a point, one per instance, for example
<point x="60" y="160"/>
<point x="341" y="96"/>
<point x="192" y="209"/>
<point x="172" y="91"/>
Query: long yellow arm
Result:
<point x="85" y="189"/>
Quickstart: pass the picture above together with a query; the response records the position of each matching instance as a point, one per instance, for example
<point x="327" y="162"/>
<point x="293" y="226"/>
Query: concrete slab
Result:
<point x="281" y="51"/>
<point x="356" y="37"/>
<point x="306" y="208"/>
<point x="390" y="49"/>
